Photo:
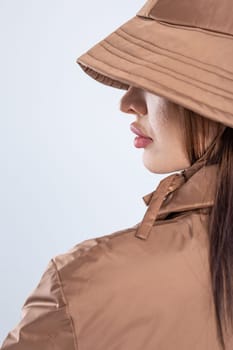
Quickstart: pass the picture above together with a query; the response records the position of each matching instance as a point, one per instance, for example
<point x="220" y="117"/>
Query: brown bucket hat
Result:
<point x="179" y="49"/>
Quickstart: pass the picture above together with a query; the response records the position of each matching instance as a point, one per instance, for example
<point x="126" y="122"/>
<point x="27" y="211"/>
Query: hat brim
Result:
<point x="189" y="66"/>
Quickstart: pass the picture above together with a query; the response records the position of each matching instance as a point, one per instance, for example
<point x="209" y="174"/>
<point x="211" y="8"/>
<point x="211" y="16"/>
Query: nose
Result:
<point x="133" y="102"/>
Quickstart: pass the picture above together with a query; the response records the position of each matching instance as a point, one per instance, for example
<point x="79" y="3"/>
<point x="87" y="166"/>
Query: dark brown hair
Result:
<point x="196" y="130"/>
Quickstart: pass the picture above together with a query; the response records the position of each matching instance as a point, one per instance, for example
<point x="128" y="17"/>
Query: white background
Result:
<point x="68" y="167"/>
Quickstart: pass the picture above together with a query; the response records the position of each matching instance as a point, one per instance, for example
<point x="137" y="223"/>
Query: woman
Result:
<point x="165" y="283"/>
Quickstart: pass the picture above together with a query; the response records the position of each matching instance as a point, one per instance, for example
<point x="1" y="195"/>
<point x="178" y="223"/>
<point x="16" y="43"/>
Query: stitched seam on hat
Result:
<point x="162" y="54"/>
<point x="209" y="32"/>
<point x="166" y="68"/>
<point x="197" y="29"/>
<point x="173" y="52"/>
<point x="148" y="79"/>
<point x="174" y="75"/>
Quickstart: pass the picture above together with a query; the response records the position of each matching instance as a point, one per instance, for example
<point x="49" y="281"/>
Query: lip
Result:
<point x="135" y="129"/>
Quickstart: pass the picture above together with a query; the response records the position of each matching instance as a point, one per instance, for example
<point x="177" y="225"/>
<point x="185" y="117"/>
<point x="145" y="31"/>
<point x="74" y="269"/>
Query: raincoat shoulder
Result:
<point x="135" y="288"/>
<point x="47" y="314"/>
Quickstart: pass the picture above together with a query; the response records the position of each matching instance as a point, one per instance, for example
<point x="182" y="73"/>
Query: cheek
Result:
<point x="165" y="123"/>
<point x="160" y="127"/>
<point x="167" y="138"/>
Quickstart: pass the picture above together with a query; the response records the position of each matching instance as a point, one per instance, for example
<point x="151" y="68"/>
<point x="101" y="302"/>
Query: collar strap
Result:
<point x="155" y="200"/>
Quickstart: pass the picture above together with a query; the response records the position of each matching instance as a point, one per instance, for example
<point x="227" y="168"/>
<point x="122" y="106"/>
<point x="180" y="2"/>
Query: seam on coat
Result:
<point x="168" y="89"/>
<point x="199" y="214"/>
<point x="66" y="306"/>
<point x="195" y="247"/>
<point x="117" y="233"/>
<point x="79" y="250"/>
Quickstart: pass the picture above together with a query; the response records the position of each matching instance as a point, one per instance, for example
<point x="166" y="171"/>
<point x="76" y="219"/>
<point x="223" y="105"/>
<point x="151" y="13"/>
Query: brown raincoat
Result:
<point x="146" y="287"/>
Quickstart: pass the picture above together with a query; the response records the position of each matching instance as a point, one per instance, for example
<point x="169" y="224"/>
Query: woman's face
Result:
<point x="166" y="152"/>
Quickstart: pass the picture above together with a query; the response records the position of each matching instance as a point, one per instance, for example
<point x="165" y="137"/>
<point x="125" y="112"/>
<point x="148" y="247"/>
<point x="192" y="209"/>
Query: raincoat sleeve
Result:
<point x="45" y="321"/>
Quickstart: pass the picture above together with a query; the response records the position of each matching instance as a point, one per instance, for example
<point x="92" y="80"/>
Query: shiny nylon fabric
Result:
<point x="205" y="14"/>
<point x="134" y="288"/>
<point x="147" y="286"/>
<point x="168" y="54"/>
<point x="119" y="291"/>
<point x="45" y="320"/>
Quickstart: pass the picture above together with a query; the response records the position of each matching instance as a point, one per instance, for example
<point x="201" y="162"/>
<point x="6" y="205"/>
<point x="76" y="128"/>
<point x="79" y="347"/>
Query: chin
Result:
<point x="157" y="171"/>
<point x="155" y="168"/>
<point x="161" y="167"/>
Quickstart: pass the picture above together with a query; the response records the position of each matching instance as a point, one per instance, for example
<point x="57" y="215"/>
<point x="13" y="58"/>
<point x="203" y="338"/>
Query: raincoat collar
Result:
<point x="177" y="193"/>
<point x="192" y="188"/>
<point x="196" y="192"/>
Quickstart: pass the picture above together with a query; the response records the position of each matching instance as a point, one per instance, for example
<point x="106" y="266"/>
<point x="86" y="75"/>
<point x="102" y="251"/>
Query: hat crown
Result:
<point x="209" y="15"/>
